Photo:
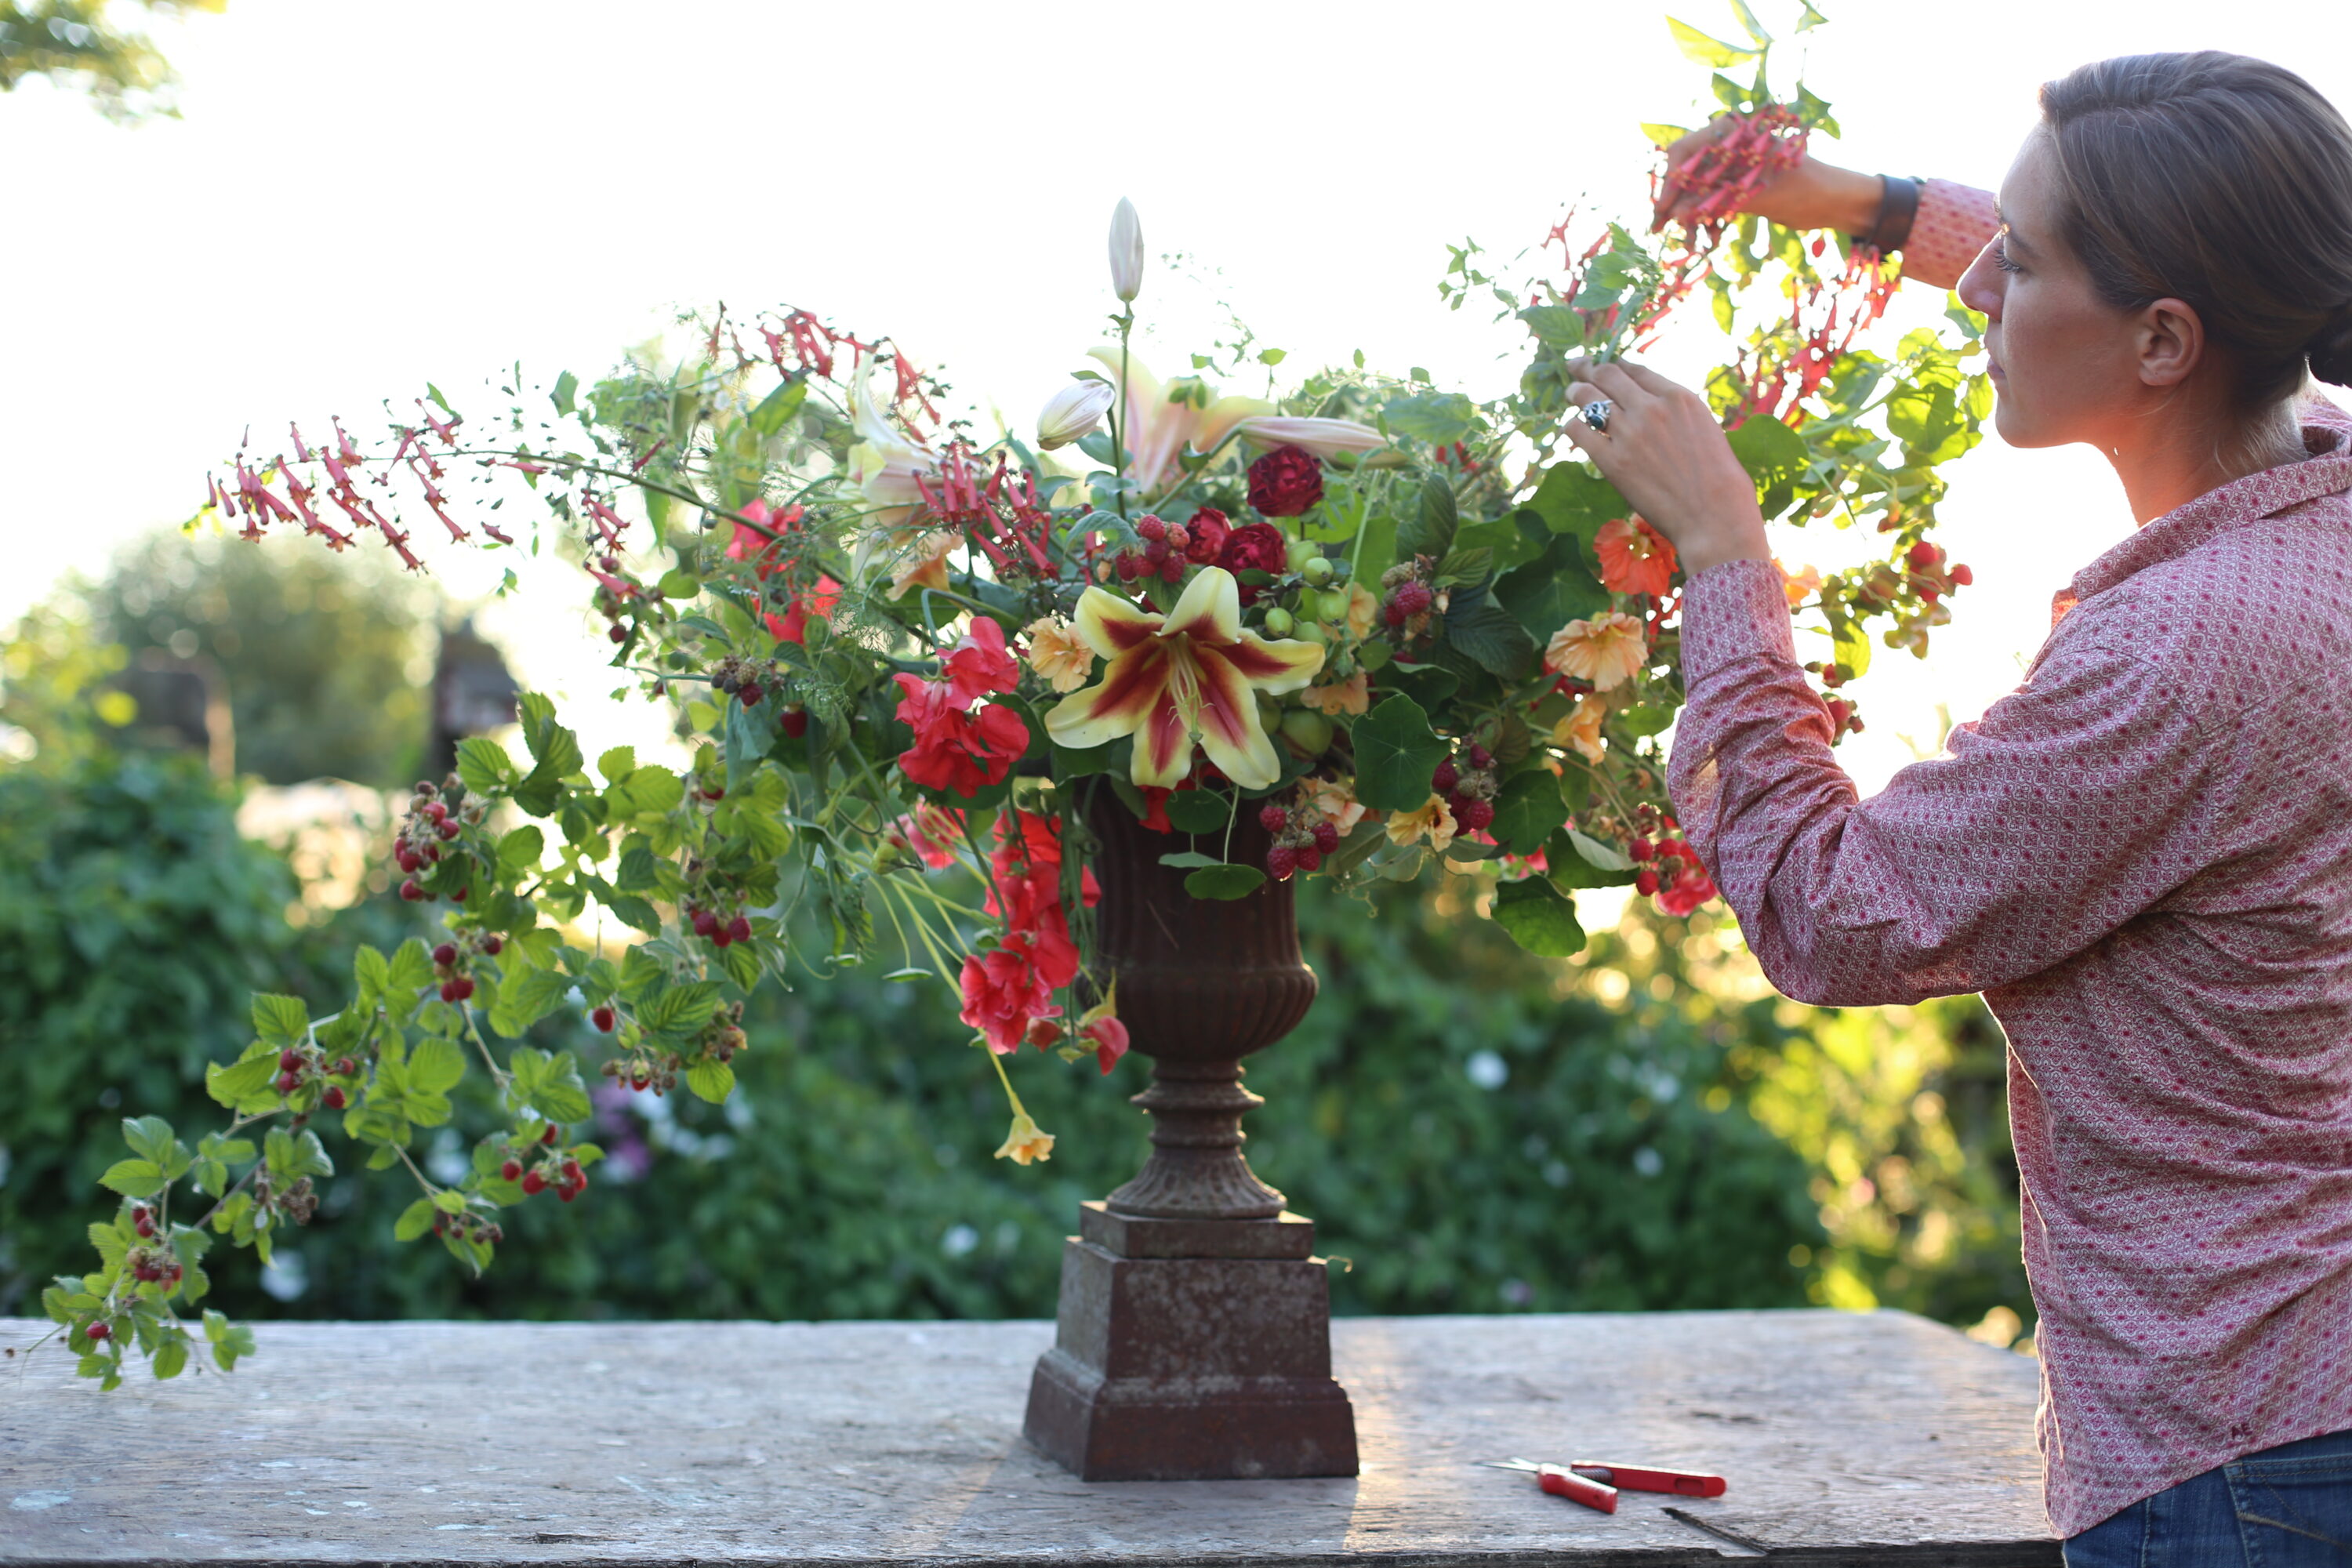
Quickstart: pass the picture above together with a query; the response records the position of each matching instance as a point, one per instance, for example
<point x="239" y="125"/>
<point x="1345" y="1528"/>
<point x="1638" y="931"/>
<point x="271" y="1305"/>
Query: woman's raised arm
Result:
<point x="1951" y="224"/>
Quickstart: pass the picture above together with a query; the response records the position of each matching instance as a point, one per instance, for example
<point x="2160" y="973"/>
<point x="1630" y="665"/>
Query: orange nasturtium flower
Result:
<point x="1579" y="731"/>
<point x="1634" y="557"/>
<point x="1169" y="679"/>
<point x="1801" y="585"/>
<point x="1607" y="651"/>
<point x="1061" y="658"/>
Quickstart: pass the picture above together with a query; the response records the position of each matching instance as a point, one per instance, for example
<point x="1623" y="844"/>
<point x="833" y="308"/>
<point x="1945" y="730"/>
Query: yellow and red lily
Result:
<point x="1191" y="673"/>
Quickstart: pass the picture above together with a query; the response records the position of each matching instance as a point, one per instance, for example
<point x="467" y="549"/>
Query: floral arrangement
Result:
<point x="1392" y="623"/>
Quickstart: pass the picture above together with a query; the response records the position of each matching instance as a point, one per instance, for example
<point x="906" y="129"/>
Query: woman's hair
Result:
<point x="2223" y="180"/>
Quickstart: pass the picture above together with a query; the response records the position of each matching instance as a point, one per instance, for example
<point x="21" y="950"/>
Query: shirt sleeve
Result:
<point x="1953" y="222"/>
<point x="2074" y="804"/>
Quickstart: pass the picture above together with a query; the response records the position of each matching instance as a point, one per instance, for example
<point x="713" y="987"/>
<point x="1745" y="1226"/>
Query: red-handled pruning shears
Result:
<point x="1595" y="1484"/>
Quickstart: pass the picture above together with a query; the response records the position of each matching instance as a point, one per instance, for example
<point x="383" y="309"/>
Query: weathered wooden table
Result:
<point x="1846" y="1438"/>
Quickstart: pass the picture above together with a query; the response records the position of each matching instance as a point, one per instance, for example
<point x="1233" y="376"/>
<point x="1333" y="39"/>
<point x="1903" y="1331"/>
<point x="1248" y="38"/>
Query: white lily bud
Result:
<point x="1072" y="412"/>
<point x="1324" y="437"/>
<point x="1125" y="251"/>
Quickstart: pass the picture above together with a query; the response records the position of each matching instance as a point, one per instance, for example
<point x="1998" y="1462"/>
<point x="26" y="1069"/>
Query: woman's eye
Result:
<point x="2000" y="258"/>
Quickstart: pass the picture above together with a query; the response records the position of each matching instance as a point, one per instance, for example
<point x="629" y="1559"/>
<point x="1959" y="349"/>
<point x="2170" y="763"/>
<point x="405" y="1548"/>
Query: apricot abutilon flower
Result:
<point x="1125" y="251"/>
<point x="1324" y="437"/>
<point x="1635" y="558"/>
<point x="1353" y="695"/>
<point x="1801" y="585"/>
<point x="1607" y="651"/>
<point x="1026" y="1142"/>
<point x="1335" y="799"/>
<point x="1190" y="674"/>
<point x="1579" y="731"/>
<point x="1072" y="412"/>
<point x="1058" y="655"/>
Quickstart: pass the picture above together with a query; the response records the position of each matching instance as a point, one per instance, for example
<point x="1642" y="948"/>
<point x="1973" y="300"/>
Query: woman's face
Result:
<point x="2066" y="364"/>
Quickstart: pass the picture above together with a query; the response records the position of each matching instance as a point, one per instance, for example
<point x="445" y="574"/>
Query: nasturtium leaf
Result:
<point x="1539" y="918"/>
<point x="679" y="585"/>
<point x="1189" y="859"/>
<point x="1396" y="753"/>
<point x="1224" y="883"/>
<point x="1604" y="857"/>
<point x="1551" y="590"/>
<point x="1646" y="719"/>
<point x="1529" y="810"/>
<point x="1199" y="811"/>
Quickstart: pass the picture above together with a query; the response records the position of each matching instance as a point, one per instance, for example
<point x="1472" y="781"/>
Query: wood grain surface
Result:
<point x="1875" y="1437"/>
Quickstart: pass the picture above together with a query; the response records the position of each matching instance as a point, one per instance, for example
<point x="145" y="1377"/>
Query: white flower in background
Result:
<point x="1125" y="251"/>
<point x="1324" y="437"/>
<point x="884" y="463"/>
<point x="1072" y="412"/>
<point x="1157" y="429"/>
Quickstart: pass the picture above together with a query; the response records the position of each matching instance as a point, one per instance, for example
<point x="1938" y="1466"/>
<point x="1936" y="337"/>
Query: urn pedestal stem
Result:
<point x="1194" y="1333"/>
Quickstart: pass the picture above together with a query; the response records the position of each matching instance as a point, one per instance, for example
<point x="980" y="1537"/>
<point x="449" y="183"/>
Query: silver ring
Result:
<point x="1596" y="413"/>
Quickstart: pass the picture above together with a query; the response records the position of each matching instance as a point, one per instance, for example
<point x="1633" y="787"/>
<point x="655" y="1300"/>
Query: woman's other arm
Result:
<point x="1954" y="221"/>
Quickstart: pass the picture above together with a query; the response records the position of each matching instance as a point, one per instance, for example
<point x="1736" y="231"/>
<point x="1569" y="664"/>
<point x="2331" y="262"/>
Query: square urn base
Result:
<point x="1191" y="1350"/>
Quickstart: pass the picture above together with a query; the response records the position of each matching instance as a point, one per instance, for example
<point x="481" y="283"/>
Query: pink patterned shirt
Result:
<point x="2143" y="857"/>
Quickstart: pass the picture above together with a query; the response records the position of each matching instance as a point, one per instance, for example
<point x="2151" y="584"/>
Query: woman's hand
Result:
<point x="1811" y="195"/>
<point x="1664" y="452"/>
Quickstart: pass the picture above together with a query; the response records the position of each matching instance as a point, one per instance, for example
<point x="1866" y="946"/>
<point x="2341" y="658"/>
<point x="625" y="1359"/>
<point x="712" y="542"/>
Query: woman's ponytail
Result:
<point x="2331" y="351"/>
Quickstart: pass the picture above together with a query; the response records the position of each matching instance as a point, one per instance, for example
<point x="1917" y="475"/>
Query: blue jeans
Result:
<point x="2288" y="1507"/>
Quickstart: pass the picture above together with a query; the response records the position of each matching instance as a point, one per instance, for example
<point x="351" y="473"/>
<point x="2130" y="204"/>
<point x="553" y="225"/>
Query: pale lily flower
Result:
<point x="1156" y="430"/>
<point x="1125" y="251"/>
<point x="886" y="459"/>
<point x="1190" y="674"/>
<point x="1072" y="412"/>
<point x="1058" y="655"/>
<point x="1324" y="437"/>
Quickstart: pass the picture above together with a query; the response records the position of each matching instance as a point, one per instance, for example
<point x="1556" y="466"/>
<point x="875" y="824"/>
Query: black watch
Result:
<point x="1897" y="207"/>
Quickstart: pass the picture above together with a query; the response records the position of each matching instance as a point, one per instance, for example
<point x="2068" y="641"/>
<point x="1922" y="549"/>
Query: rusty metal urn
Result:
<point x="1194" y="1337"/>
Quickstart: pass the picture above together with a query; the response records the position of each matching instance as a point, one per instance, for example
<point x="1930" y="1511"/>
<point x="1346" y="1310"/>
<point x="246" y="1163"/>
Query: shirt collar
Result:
<point x="2327" y="471"/>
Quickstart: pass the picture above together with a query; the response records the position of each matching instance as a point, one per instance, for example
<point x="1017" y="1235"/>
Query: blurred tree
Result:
<point x="76" y="44"/>
<point x="327" y="659"/>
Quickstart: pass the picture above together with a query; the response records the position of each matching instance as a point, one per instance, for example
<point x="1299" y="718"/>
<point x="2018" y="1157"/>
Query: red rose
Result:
<point x="1260" y="545"/>
<point x="1285" y="481"/>
<point x="1206" y="536"/>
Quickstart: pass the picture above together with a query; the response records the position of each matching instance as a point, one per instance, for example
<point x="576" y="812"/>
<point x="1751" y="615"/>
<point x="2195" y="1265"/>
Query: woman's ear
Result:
<point x="2170" y="342"/>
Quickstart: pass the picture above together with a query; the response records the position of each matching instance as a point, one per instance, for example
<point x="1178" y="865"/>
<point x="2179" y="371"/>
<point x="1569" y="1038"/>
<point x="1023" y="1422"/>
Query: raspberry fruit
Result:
<point x="534" y="1183"/>
<point x="1172" y="569"/>
<point x="334" y="1099"/>
<point x="344" y="1067"/>
<point x="1645" y="883"/>
<point x="738" y="929"/>
<point x="447" y="831"/>
<point x="548" y="1136"/>
<point x="719" y="791"/>
<point x="1923" y="555"/>
<point x="288" y="1082"/>
<point x="408" y="859"/>
<point x="793" y="721"/>
<point x="1445" y="778"/>
<point x="1272" y="818"/>
<point x="1641" y="849"/>
<point x="603" y="1019"/>
<point x="1480" y="757"/>
<point x="433" y="810"/>
<point x="1310" y="860"/>
<point x="1962" y="576"/>
<point x="1281" y="861"/>
<point x="1152" y="528"/>
<point x="567" y="1192"/>
<point x="459" y="896"/>
<point x="1410" y="599"/>
<point x="751" y="691"/>
<point x="512" y="1171"/>
<point x="290" y="1061"/>
<point x="1327" y="838"/>
<point x="98" y="1331"/>
<point x="493" y="944"/>
<point x="445" y="955"/>
<point x="413" y="890"/>
<point x="1474" y="816"/>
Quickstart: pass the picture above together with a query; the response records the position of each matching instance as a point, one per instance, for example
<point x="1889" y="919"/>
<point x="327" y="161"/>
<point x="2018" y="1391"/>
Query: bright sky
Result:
<point x="360" y="197"/>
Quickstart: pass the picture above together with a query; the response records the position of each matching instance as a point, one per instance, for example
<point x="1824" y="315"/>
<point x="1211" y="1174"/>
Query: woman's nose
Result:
<point x="1979" y="288"/>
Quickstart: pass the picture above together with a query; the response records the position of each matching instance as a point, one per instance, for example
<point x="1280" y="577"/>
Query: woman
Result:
<point x="2143" y="856"/>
